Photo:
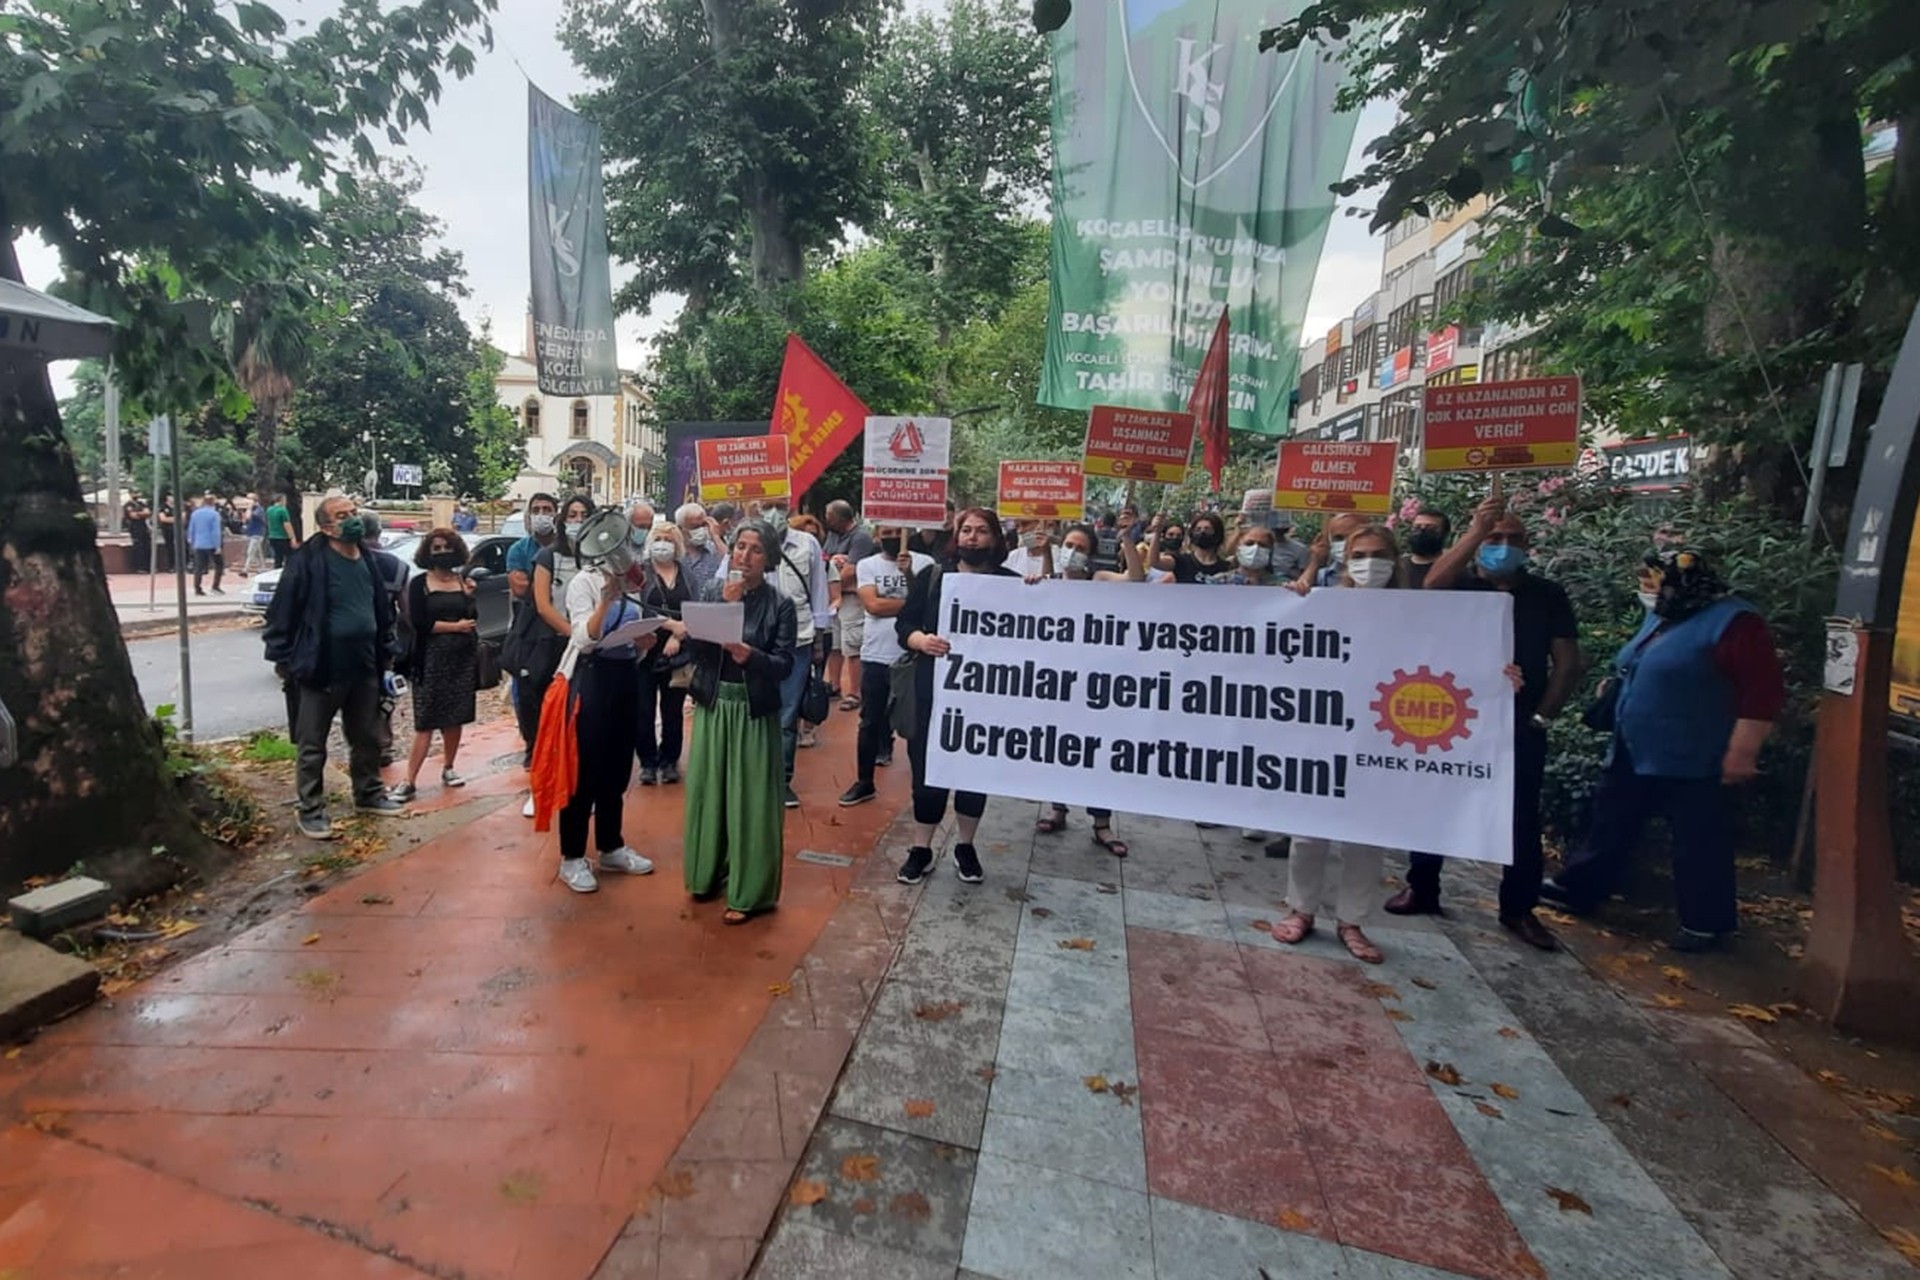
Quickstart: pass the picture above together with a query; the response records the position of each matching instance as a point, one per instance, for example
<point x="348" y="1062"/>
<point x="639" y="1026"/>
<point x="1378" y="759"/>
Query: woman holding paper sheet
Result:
<point x="735" y="776"/>
<point x="979" y="546"/>
<point x="1076" y="564"/>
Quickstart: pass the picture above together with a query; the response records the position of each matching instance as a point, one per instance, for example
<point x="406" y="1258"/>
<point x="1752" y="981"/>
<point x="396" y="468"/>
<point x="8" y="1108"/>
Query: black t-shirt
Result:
<point x="1414" y="572"/>
<point x="1188" y="569"/>
<point x="1541" y="614"/>
<point x="931" y="542"/>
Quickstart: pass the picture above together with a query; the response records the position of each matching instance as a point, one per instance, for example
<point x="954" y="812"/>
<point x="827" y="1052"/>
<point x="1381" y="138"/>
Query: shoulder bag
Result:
<point x="903" y="686"/>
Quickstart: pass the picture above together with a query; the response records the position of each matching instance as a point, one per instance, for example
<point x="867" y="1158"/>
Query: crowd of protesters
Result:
<point x="841" y="616"/>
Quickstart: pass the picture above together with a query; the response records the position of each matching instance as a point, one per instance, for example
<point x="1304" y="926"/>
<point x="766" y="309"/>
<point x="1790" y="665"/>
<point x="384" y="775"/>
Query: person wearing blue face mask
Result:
<point x="1493" y="556"/>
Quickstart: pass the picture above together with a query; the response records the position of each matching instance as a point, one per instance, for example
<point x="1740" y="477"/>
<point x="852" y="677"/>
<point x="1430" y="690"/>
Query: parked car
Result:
<point x="486" y="564"/>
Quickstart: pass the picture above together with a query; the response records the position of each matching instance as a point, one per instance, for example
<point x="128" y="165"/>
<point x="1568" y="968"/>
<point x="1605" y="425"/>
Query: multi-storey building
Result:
<point x="607" y="447"/>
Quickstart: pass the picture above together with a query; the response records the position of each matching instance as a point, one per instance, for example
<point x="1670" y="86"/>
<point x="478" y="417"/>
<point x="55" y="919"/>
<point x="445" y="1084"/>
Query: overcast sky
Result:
<point x="474" y="162"/>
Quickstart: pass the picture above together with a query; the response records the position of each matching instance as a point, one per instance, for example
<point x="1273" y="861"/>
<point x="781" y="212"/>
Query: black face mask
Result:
<point x="890" y="546"/>
<point x="1426" y="542"/>
<point x="446" y="560"/>
<point x="1205" y="539"/>
<point x="975" y="556"/>
<point x="1169" y="545"/>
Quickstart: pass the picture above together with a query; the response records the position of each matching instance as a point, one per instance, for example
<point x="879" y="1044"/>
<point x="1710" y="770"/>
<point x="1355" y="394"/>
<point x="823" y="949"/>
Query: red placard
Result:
<point x="1138" y="444"/>
<point x="737" y="467"/>
<point x="1442" y="347"/>
<point x="1327" y="475"/>
<point x="1503" y="426"/>
<point x="1042" y="491"/>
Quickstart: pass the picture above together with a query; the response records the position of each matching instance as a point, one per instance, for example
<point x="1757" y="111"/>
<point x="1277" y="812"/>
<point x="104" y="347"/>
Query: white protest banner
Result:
<point x="905" y="479"/>
<point x="1382" y="717"/>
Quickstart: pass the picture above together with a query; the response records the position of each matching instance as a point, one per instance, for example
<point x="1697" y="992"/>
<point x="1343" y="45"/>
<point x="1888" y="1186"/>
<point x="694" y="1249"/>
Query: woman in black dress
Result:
<point x="444" y="666"/>
<point x="664" y="586"/>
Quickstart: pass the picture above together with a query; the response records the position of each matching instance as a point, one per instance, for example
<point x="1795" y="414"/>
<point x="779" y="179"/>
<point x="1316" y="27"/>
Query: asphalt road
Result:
<point x="234" y="690"/>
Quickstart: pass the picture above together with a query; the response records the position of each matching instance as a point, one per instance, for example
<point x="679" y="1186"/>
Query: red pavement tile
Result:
<point x="1184" y="963"/>
<point x="469" y="1066"/>
<point x="1438" y="1217"/>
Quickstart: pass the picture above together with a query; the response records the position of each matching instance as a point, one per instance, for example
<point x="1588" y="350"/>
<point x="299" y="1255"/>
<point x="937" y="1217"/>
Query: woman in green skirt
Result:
<point x="735" y="779"/>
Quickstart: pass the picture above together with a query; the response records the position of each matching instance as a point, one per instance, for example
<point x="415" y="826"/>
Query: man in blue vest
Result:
<point x="1693" y="697"/>
<point x="1492" y="556"/>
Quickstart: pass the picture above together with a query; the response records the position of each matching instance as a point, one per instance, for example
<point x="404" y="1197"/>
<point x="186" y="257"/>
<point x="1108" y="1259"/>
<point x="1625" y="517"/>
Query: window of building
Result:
<point x="580" y="419"/>
<point x="530" y="415"/>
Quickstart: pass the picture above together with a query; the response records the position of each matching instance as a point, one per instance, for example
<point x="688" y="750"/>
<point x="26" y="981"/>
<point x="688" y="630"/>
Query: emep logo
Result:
<point x="907" y="444"/>
<point x="1424" y="710"/>
<point x="1181" y="57"/>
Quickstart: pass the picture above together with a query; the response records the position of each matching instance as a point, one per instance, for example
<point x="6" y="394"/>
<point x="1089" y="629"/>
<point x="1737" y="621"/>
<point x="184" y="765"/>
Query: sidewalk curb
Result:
<point x="147" y="628"/>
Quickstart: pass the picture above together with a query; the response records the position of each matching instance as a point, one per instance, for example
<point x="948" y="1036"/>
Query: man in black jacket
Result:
<point x="329" y="631"/>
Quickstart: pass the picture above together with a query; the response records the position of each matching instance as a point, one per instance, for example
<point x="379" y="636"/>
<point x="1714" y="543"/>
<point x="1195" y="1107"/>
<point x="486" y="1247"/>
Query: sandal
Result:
<point x="730" y="916"/>
<point x="1118" y="848"/>
<point x="1054" y="822"/>
<point x="1358" y="945"/>
<point x="850" y="703"/>
<point x="1293" y="929"/>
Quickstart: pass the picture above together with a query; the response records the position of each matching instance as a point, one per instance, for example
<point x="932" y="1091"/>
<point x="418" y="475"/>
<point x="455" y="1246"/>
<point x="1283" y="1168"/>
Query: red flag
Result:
<point x="816" y="413"/>
<point x="1208" y="403"/>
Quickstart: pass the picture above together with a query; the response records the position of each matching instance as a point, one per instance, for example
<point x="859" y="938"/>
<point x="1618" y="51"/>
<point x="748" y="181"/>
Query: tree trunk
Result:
<point x="91" y="779"/>
<point x="266" y="449"/>
<point x="774" y="252"/>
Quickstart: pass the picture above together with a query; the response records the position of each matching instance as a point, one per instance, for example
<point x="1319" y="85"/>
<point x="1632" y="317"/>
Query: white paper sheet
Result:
<point x="723" y="623"/>
<point x="631" y="632"/>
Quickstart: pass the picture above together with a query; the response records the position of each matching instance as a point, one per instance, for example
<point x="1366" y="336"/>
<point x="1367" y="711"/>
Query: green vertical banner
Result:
<point x="1191" y="175"/>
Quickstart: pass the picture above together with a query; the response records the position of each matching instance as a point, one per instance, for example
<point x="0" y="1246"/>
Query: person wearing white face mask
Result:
<point x="1076" y="564"/>
<point x="1327" y="557"/>
<point x="1252" y="556"/>
<point x="664" y="584"/>
<point x="1371" y="561"/>
<point x="700" y="554"/>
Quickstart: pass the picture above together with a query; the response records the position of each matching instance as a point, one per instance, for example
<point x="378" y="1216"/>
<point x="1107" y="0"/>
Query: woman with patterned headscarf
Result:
<point x="1693" y="696"/>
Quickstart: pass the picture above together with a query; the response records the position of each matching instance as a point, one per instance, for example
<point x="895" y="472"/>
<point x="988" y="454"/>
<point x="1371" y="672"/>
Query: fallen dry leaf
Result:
<point x="806" y="1192"/>
<point x="1262" y="926"/>
<point x="1569" y="1202"/>
<point x="1752" y="1013"/>
<point x="860" y="1168"/>
<point x="1507" y="1033"/>
<point x="864" y="1205"/>
<point x="310" y="939"/>
<point x="375" y="900"/>
<point x="13" y="1053"/>
<point x="1379" y="991"/>
<point x="986" y="1073"/>
<point x="1506" y="1091"/>
<point x="1556" y="917"/>
<point x="1293" y="1220"/>
<point x="1488" y="1109"/>
<point x="1675" y="974"/>
<point x="1043" y="913"/>
<point x="919" y="1108"/>
<point x="1399" y="1015"/>
<point x="521" y="1188"/>
<point x="1076" y="944"/>
<point x="1786" y="1008"/>
<point x="1123" y="1091"/>
<point x="675" y="1186"/>
<point x="1896" y="1174"/>
<point x="1665" y="1001"/>
<point x="1905" y="1241"/>
<point x="939" y="1011"/>
<point x="1097" y="1084"/>
<point x="1621" y="1100"/>
<point x="1830" y="1078"/>
<point x="1444" y="1072"/>
<point x="911" y="1205"/>
<point x="1879" y="1131"/>
<point x="780" y="988"/>
<point x="1426" y="984"/>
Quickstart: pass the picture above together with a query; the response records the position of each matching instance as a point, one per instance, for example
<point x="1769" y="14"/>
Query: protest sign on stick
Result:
<point x="1328" y="475"/>
<point x="905" y="478"/>
<point x="1138" y="444"/>
<point x="1042" y="491"/>
<point x="1502" y="426"/>
<point x="736" y="468"/>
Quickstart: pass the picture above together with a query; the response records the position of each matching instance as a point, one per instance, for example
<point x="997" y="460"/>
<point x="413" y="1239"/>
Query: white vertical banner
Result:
<point x="1383" y="717"/>
<point x="904" y="481"/>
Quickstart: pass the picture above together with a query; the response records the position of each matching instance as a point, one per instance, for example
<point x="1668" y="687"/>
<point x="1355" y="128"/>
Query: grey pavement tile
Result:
<point x="1067" y="858"/>
<point x="1073" y="906"/>
<point x="1363" y="1264"/>
<point x="1030" y="1223"/>
<point x="1521" y="1151"/>
<point x="1765" y="1215"/>
<point x="890" y="1189"/>
<point x="1198" y="1244"/>
<point x="959" y="966"/>
<point x="1054" y="1042"/>
<point x="884" y="1074"/>
<point x="1170" y="913"/>
<point x="1056" y="1122"/>
<point x="957" y="1026"/>
<point x="1096" y="991"/>
<point x="801" y="1252"/>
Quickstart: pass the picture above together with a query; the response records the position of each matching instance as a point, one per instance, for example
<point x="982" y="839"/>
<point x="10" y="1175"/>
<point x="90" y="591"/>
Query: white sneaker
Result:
<point x="626" y="860"/>
<point x="526" y="810"/>
<point x="577" y="875"/>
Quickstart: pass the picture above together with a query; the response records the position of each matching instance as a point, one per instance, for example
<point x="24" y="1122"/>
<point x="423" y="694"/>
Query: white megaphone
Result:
<point x="603" y="541"/>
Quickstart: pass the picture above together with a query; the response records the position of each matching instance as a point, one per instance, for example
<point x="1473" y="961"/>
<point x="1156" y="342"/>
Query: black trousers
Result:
<point x="1701" y="823"/>
<point x="876" y="706"/>
<point x="142" y="549"/>
<point x="930" y="803"/>
<point x="279" y="547"/>
<point x="658" y="699"/>
<point x="609" y="700"/>
<point x="204" y="560"/>
<point x="357" y="703"/>
<point x="1520" y="885"/>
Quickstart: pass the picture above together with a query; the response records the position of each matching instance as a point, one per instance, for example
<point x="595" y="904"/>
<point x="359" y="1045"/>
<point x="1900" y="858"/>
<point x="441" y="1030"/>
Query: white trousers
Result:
<point x="1360" y="868"/>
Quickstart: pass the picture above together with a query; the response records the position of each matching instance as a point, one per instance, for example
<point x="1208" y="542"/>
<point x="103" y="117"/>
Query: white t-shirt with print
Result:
<point x="880" y="642"/>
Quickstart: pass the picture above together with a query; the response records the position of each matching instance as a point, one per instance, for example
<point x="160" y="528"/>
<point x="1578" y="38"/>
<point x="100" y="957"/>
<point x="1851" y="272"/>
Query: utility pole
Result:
<point x="112" y="416"/>
<point x="1859" y="972"/>
<point x="180" y="577"/>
